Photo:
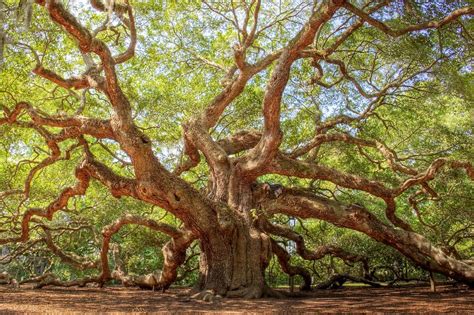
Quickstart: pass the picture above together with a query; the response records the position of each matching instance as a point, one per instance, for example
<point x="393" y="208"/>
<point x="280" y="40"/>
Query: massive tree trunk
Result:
<point x="233" y="265"/>
<point x="233" y="256"/>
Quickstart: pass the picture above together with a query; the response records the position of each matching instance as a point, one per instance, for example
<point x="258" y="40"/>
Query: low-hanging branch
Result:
<point x="316" y="254"/>
<point x="174" y="252"/>
<point x="413" y="245"/>
<point x="284" y="260"/>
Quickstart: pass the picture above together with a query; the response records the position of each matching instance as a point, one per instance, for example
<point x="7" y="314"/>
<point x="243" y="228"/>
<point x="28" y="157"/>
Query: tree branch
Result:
<point x="268" y="145"/>
<point x="413" y="245"/>
<point x="284" y="260"/>
<point x="412" y="28"/>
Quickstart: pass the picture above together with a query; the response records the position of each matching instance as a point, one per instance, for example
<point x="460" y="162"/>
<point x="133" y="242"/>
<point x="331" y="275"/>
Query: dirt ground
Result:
<point x="353" y="300"/>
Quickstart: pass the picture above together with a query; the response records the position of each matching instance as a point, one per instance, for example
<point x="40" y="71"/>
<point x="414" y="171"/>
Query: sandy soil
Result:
<point x="353" y="300"/>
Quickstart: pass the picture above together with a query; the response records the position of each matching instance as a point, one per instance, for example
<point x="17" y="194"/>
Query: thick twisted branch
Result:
<point x="316" y="254"/>
<point x="413" y="245"/>
<point x="59" y="203"/>
<point x="412" y="28"/>
<point x="268" y="145"/>
<point x="284" y="260"/>
<point x="174" y="251"/>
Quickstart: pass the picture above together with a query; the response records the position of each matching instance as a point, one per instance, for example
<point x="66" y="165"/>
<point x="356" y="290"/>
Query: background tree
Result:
<point x="229" y="127"/>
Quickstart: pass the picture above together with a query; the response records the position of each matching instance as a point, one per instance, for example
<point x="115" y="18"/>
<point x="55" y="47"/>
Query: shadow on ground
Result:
<point x="349" y="300"/>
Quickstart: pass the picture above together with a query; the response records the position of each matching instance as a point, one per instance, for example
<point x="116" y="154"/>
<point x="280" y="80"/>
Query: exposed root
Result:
<point x="252" y="292"/>
<point x="271" y="293"/>
<point x="207" y="296"/>
<point x="5" y="278"/>
<point x="149" y="281"/>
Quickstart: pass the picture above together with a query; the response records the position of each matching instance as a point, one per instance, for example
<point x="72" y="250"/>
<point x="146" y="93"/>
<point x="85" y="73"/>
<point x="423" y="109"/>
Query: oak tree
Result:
<point x="229" y="116"/>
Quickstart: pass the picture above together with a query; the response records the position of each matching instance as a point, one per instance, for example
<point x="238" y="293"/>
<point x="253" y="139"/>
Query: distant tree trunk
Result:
<point x="432" y="282"/>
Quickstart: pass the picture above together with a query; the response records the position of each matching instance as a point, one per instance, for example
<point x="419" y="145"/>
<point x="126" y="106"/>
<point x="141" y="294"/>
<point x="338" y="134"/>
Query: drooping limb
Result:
<point x="174" y="253"/>
<point x="356" y="217"/>
<point x="319" y="253"/>
<point x="284" y="260"/>
<point x="291" y="167"/>
<point x="48" y="212"/>
<point x="50" y="279"/>
<point x="68" y="258"/>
